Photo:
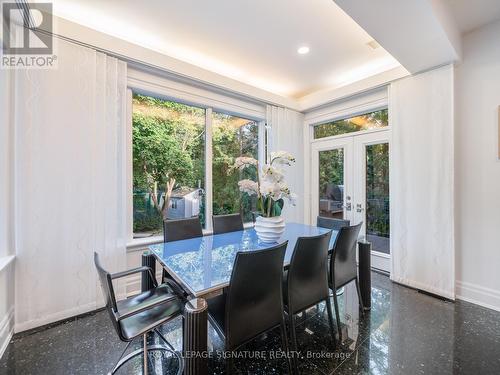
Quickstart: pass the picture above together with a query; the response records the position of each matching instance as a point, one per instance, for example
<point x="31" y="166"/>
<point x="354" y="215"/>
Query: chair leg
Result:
<point x="145" y="343"/>
<point x="293" y="335"/>
<point x="330" y="320"/>
<point x="337" y="314"/>
<point x="284" y="344"/>
<point x="164" y="339"/>
<point x="229" y="364"/>
<point x="292" y="332"/>
<point x="119" y="358"/>
<point x="359" y="297"/>
<point x="139" y="352"/>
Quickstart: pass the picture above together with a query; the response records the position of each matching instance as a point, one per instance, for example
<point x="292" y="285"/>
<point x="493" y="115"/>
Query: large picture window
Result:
<point x="169" y="144"/>
<point x="232" y="137"/>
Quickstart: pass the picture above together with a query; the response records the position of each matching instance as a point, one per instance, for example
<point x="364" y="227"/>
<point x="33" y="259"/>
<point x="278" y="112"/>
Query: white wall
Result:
<point x="6" y="305"/>
<point x="6" y="220"/>
<point x="478" y="168"/>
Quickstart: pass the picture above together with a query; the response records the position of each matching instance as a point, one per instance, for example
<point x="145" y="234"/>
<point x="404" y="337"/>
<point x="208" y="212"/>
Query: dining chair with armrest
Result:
<point x="306" y="280"/>
<point x="253" y="303"/>
<point x="343" y="268"/>
<point x="137" y="316"/>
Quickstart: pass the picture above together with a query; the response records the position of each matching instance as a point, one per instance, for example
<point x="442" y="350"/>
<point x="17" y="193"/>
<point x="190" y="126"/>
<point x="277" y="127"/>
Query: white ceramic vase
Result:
<point x="269" y="229"/>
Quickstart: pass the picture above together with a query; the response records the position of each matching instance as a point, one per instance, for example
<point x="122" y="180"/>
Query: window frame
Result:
<point x="163" y="88"/>
<point x="347" y="117"/>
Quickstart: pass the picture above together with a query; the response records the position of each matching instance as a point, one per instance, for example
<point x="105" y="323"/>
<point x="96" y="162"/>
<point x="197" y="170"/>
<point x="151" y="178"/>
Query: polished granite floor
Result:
<point x="406" y="332"/>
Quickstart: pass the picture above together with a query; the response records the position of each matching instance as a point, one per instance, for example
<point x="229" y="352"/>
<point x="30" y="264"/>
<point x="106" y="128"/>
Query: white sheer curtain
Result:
<point x="70" y="182"/>
<point x="422" y="201"/>
<point x="286" y="132"/>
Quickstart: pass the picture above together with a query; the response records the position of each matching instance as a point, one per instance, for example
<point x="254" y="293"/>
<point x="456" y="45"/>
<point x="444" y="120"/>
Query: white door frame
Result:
<point x="380" y="260"/>
<point x="354" y="146"/>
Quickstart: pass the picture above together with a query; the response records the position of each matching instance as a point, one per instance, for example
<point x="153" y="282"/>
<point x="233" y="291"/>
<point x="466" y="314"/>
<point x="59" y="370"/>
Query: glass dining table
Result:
<point x="202" y="267"/>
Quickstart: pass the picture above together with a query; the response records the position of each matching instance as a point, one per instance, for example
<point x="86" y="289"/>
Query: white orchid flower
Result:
<point x="282" y="158"/>
<point x="272" y="174"/>
<point x="271" y="189"/>
<point x="248" y="186"/>
<point x="270" y="181"/>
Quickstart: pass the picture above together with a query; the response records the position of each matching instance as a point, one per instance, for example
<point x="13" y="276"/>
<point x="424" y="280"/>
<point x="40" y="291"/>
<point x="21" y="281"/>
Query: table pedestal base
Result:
<point x="365" y="276"/>
<point x="195" y="345"/>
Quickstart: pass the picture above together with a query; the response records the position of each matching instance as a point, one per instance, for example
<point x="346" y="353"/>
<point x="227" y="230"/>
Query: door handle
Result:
<point x="359" y="207"/>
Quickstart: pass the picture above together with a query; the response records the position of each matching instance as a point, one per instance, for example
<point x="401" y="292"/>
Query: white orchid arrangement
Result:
<point x="270" y="187"/>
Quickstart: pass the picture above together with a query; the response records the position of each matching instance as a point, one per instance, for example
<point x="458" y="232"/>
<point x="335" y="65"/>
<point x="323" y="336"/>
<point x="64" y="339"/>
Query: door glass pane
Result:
<point x="331" y="183"/>
<point x="367" y="121"/>
<point x="232" y="137"/>
<point x="377" y="197"/>
<point x="168" y="141"/>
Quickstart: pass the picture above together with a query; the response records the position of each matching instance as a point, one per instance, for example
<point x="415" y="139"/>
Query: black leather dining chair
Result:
<point x="335" y="224"/>
<point x="137" y="316"/>
<point x="306" y="280"/>
<point x="181" y="229"/>
<point x="176" y="230"/>
<point x="342" y="267"/>
<point x="331" y="223"/>
<point x="227" y="223"/>
<point x="253" y="303"/>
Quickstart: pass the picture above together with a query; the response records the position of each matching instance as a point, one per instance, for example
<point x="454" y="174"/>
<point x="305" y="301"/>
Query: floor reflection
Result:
<point x="404" y="333"/>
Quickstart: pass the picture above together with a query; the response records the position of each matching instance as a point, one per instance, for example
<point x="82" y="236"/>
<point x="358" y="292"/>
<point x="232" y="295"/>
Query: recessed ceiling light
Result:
<point x="303" y="50"/>
<point x="373" y="44"/>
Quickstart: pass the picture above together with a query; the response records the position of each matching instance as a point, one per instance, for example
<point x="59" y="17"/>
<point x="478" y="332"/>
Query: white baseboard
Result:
<point x="132" y="286"/>
<point x="6" y="330"/>
<point x="478" y="295"/>
<point x="61" y="315"/>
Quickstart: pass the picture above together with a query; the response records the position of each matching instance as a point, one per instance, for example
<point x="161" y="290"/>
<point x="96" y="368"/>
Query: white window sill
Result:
<point x="142" y="243"/>
<point x="6" y="260"/>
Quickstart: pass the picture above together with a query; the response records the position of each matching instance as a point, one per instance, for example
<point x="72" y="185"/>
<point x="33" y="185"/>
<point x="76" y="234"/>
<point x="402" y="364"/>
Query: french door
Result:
<point x="350" y="181"/>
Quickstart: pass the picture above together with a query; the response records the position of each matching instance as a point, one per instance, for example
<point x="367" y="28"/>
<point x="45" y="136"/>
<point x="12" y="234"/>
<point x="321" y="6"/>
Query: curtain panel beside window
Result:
<point x="71" y="182"/>
<point x="285" y="129"/>
<point x="422" y="193"/>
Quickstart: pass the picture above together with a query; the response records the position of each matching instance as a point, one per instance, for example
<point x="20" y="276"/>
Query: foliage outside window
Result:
<point x="331" y="183"/>
<point x="232" y="137"/>
<point x="169" y="143"/>
<point x="377" y="190"/>
<point x="368" y="121"/>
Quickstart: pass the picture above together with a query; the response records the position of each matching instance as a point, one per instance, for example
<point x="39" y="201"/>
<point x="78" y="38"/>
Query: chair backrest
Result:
<point x="343" y="260"/>
<point x="308" y="272"/>
<point x="331" y="223"/>
<point x="182" y="229"/>
<point x="227" y="223"/>
<point x="109" y="293"/>
<point x="255" y="297"/>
